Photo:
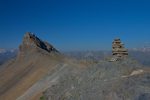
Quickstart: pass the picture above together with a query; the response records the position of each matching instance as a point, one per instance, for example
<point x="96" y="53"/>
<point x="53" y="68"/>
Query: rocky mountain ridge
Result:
<point x="34" y="60"/>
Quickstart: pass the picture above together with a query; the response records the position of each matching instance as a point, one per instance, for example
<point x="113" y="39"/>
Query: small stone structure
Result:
<point x="118" y="50"/>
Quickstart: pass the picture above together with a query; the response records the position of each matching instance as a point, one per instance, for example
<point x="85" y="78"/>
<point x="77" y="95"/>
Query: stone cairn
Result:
<point x="118" y="50"/>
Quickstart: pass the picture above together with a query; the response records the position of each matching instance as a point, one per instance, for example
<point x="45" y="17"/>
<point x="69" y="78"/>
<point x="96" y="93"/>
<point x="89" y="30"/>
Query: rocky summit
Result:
<point x="31" y="41"/>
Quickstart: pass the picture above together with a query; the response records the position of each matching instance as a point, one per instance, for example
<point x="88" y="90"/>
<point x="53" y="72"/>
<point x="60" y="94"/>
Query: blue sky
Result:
<point x="76" y="24"/>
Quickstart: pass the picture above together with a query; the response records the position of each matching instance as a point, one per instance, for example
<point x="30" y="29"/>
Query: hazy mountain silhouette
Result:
<point x="7" y="54"/>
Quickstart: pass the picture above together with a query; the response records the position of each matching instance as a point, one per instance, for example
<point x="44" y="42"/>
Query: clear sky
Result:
<point x="76" y="24"/>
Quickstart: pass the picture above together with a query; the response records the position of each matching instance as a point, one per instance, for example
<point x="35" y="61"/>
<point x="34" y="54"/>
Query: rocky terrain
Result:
<point x="41" y="72"/>
<point x="125" y="80"/>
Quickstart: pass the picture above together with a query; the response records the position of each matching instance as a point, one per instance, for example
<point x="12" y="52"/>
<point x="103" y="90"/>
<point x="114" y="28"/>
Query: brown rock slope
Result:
<point x="34" y="60"/>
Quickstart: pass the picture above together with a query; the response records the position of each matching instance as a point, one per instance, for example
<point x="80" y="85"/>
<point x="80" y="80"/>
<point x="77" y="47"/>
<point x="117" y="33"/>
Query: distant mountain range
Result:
<point x="7" y="54"/>
<point x="144" y="49"/>
<point x="140" y="54"/>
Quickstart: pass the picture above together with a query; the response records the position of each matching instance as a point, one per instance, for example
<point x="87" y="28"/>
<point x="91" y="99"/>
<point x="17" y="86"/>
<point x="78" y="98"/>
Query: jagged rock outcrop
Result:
<point x="31" y="41"/>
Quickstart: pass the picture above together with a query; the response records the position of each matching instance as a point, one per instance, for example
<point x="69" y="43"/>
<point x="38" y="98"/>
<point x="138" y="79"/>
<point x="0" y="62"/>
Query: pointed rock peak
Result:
<point x="31" y="41"/>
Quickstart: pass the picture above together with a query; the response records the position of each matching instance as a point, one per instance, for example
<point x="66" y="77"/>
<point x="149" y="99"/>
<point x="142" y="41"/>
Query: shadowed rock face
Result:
<point x="30" y="41"/>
